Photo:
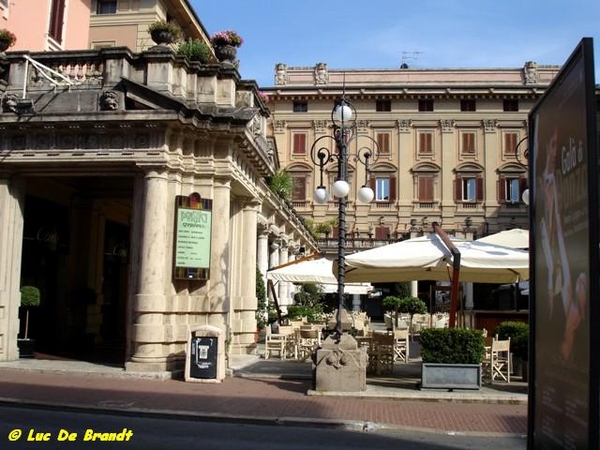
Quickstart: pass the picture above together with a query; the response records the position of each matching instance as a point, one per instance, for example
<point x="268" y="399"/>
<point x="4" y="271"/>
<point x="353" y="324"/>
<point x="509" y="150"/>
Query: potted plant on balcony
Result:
<point x="195" y="50"/>
<point x="164" y="33"/>
<point x="451" y="358"/>
<point x="226" y="44"/>
<point x="30" y="297"/>
<point x="7" y="39"/>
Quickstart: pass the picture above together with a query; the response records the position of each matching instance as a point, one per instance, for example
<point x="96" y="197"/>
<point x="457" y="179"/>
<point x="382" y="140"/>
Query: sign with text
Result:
<point x="563" y="176"/>
<point x="193" y="233"/>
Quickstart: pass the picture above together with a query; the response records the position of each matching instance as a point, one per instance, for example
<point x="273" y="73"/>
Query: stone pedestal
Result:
<point x="341" y="365"/>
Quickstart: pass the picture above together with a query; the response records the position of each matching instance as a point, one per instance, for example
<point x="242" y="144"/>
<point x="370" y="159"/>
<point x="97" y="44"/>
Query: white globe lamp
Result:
<point x="341" y="188"/>
<point x="525" y="196"/>
<point x="321" y="195"/>
<point x="343" y="113"/>
<point x="365" y="194"/>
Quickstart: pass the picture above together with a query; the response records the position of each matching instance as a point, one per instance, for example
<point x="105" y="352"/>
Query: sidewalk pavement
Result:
<point x="267" y="391"/>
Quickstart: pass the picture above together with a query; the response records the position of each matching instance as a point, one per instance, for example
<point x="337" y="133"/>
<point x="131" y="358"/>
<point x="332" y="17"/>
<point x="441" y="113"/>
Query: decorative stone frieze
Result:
<point x="321" y="74"/>
<point x="320" y="126"/>
<point x="109" y="101"/>
<point x="490" y="126"/>
<point x="404" y="125"/>
<point x="279" y="126"/>
<point x="280" y="74"/>
<point x="447" y="125"/>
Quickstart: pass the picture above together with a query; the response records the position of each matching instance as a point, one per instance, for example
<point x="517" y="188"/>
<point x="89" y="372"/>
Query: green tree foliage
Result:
<point x="281" y="184"/>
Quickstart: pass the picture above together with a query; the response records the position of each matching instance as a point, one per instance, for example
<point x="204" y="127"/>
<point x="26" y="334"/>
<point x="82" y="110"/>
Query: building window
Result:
<point x="382" y="189"/>
<point x="426" y="143"/>
<point x="468" y="105"/>
<point x="299" y="187"/>
<point x="511" y="105"/>
<point x="300" y="107"/>
<point x="106" y="6"/>
<point x="511" y="189"/>
<point x="468" y="143"/>
<point x="383" y="142"/>
<point x="510" y="143"/>
<point x="383" y="105"/>
<point x="382" y="233"/>
<point x="425" y="188"/>
<point x="299" y="143"/>
<point x="56" y="20"/>
<point x="425" y="105"/>
<point x="469" y="188"/>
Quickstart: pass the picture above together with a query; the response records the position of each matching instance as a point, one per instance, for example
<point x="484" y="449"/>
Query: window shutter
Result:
<point x="479" y="189"/>
<point x="392" y="189"/>
<point x="299" y="191"/>
<point x="335" y="231"/>
<point x="458" y="189"/>
<point x="383" y="142"/>
<point x="372" y="182"/>
<point x="502" y="189"/>
<point x="299" y="144"/>
<point x="425" y="189"/>
<point x="522" y="185"/>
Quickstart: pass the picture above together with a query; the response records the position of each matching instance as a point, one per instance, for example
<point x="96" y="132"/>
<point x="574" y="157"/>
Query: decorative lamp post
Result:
<point x="343" y="117"/>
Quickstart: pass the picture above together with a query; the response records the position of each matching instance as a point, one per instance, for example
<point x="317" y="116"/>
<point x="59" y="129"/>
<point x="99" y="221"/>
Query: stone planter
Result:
<point x="26" y="348"/>
<point x="450" y="376"/>
<point x="163" y="37"/>
<point x="226" y="53"/>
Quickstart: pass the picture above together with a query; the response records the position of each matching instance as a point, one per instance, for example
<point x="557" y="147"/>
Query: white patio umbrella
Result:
<point x="428" y="258"/>
<point x="515" y="238"/>
<point x="318" y="271"/>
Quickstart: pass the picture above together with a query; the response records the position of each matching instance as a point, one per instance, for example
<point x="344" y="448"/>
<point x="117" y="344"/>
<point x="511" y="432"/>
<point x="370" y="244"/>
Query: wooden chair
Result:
<point x="497" y="362"/>
<point x="309" y="340"/>
<point x="401" y="345"/>
<point x="381" y="358"/>
<point x="291" y="341"/>
<point x="275" y="343"/>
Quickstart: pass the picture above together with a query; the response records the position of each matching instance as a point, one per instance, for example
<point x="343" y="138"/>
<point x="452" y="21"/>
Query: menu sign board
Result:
<point x="193" y="233"/>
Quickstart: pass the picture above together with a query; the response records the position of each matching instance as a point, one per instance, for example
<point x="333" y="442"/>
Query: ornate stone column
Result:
<point x="284" y="300"/>
<point x="262" y="250"/>
<point x="245" y="309"/>
<point x="149" y="299"/>
<point x="12" y="199"/>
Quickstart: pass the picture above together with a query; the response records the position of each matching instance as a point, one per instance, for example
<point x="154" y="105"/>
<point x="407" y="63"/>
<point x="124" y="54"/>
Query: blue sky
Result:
<point x="384" y="33"/>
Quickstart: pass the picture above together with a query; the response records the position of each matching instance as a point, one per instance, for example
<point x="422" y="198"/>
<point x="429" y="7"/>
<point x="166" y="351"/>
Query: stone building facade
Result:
<point x="97" y="147"/>
<point x="452" y="146"/>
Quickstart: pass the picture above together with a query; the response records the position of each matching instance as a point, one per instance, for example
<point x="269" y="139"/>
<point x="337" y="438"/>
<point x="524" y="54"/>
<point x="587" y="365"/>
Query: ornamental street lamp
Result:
<point x="343" y="117"/>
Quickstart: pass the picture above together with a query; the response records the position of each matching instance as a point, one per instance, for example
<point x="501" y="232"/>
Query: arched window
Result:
<point x="468" y="184"/>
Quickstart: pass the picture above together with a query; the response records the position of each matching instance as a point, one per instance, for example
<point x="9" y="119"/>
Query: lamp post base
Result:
<point x="341" y="365"/>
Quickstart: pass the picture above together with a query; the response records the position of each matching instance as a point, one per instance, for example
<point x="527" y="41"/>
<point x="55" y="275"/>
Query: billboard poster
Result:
<point x="563" y="178"/>
<point x="193" y="232"/>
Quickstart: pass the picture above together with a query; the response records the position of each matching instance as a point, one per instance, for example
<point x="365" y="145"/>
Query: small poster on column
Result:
<point x="193" y="233"/>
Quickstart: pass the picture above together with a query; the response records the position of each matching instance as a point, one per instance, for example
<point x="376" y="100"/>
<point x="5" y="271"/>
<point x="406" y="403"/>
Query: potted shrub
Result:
<point x="195" y="50"/>
<point x="163" y="32"/>
<point x="7" y="39"/>
<point x="30" y="297"/>
<point x="451" y="358"/>
<point x="281" y="184"/>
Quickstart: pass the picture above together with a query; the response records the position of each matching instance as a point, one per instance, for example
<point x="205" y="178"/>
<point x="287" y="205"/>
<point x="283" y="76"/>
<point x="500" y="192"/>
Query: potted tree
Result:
<point x="451" y="358"/>
<point x="30" y="297"/>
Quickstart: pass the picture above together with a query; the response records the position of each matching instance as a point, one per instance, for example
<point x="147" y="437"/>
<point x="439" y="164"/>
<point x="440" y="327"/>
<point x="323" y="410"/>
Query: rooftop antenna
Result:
<point x="409" y="56"/>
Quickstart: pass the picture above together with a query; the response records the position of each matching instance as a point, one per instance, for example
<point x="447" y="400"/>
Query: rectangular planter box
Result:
<point x="450" y="376"/>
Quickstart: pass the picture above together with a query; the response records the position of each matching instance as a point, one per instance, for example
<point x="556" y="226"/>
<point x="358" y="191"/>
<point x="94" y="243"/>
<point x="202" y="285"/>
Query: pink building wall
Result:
<point x="29" y="20"/>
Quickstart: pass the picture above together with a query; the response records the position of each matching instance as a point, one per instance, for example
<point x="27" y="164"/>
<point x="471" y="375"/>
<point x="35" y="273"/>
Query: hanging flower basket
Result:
<point x="7" y="39"/>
